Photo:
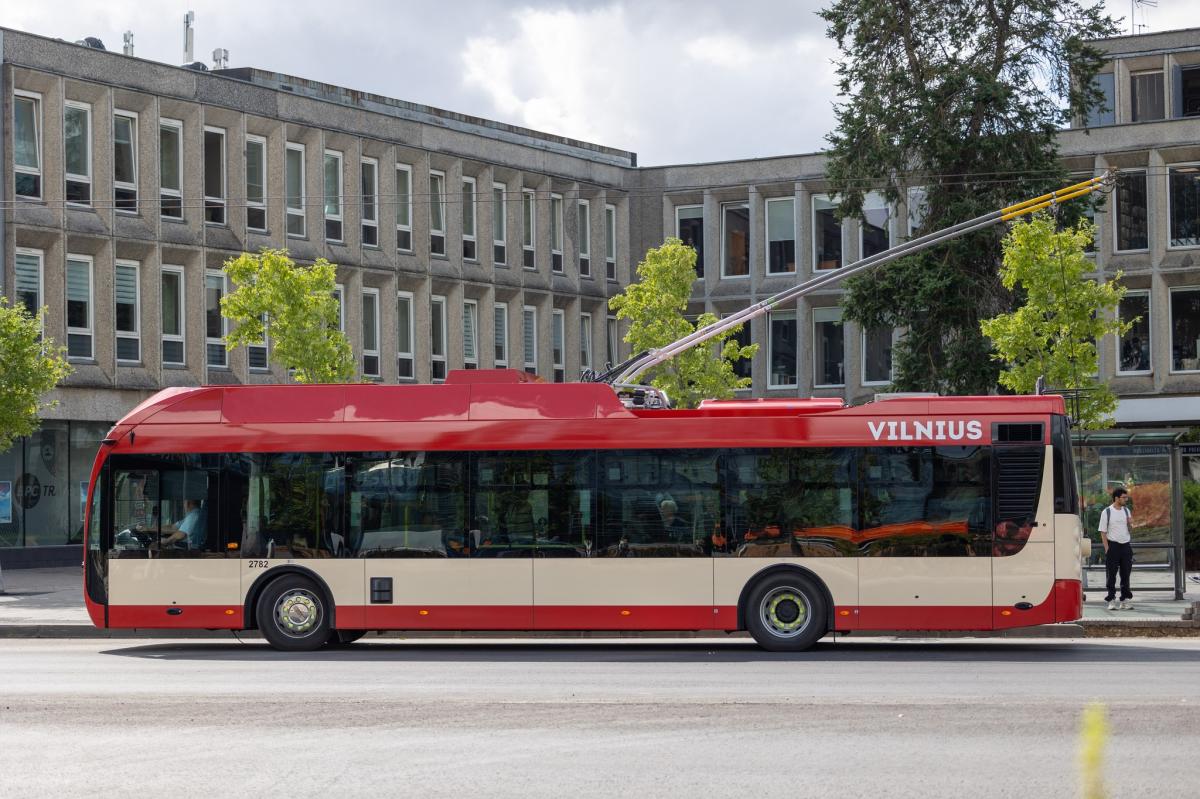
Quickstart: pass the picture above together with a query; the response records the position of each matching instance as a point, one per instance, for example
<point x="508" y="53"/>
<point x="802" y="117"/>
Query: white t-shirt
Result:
<point x="1114" y="523"/>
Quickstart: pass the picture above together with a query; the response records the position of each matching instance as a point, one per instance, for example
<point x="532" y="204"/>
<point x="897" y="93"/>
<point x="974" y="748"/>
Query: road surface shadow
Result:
<point x="715" y="651"/>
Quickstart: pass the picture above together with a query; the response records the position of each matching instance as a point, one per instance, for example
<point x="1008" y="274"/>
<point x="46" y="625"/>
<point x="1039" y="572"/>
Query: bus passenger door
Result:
<point x="1023" y="553"/>
<point x="172" y="564"/>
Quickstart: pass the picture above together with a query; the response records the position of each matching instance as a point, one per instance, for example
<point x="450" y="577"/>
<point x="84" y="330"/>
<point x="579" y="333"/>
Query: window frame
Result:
<point x="816" y="264"/>
<point x="373" y="293"/>
<point x="700" y="265"/>
<point x="1116" y="213"/>
<point x="469" y="204"/>
<point x="767" y="213"/>
<point x="90" y="330"/>
<point x="257" y="205"/>
<point x="40" y="255"/>
<point x="373" y="222"/>
<point x="1133" y="76"/>
<point x="339" y="292"/>
<point x="38" y="125"/>
<point x="612" y="334"/>
<point x="529" y="315"/>
<point x="136" y="333"/>
<point x="175" y="125"/>
<point x="408" y="354"/>
<point x="434" y="356"/>
<point x="68" y="177"/>
<point x="915" y="196"/>
<point x="1191" y="168"/>
<point x="610" y="241"/>
<point x="1149" y="326"/>
<point x="290" y="211"/>
<point x="728" y="206"/>
<point x="338" y="218"/>
<point x="1171" y="326"/>
<point x="132" y="118"/>
<point x="471" y="310"/>
<point x="862" y="224"/>
<point x="556" y="234"/>
<point x="404" y="203"/>
<point x="529" y="229"/>
<point x="558" y="326"/>
<point x="500" y="231"/>
<point x="437" y="201"/>
<point x="816" y="354"/>
<point x="782" y="314"/>
<point x="500" y="344"/>
<point x="584" y="236"/>
<point x="585" y="340"/>
<point x="222" y="201"/>
<point x="181" y="336"/>
<point x="863" y="360"/>
<point x="216" y="273"/>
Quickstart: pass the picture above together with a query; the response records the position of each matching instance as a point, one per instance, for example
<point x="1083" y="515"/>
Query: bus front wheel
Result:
<point x="786" y="613"/>
<point x="293" y="614"/>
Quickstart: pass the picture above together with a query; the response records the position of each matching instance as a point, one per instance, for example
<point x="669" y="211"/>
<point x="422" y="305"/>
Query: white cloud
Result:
<point x="729" y="52"/>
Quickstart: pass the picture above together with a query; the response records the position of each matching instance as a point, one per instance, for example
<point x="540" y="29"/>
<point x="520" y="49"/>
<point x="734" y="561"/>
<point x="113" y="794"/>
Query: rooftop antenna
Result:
<point x="188" y="19"/>
<point x="1136" y="4"/>
<point x="220" y="58"/>
<point x="128" y="43"/>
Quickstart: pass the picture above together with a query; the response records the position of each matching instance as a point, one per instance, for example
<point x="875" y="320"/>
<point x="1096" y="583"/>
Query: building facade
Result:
<point x="467" y="243"/>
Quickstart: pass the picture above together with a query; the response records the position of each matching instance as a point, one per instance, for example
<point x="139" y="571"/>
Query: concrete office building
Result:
<point x="463" y="242"/>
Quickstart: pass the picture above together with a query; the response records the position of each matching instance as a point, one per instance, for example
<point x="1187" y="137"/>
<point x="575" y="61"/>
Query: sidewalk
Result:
<point x="48" y="603"/>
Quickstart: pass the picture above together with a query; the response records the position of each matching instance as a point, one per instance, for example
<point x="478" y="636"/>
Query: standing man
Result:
<point x="1115" y="524"/>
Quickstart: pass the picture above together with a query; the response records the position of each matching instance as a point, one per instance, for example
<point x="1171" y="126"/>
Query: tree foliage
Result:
<point x="1054" y="333"/>
<point x="964" y="98"/>
<point x="654" y="306"/>
<point x="30" y="367"/>
<point x="296" y="304"/>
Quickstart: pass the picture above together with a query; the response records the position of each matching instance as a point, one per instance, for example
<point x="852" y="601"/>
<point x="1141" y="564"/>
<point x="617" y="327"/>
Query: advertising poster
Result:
<point x="6" y="502"/>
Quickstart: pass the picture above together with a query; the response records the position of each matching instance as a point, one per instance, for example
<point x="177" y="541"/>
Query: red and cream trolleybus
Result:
<point x="489" y="502"/>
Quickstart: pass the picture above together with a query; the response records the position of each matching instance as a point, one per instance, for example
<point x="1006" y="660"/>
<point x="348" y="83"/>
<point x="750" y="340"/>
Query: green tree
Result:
<point x="30" y="367"/>
<point x="964" y="98"/>
<point x="654" y="306"/>
<point x="297" y="305"/>
<point x="1054" y="333"/>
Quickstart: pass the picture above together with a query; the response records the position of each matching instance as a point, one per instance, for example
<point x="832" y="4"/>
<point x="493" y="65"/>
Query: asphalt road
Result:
<point x="579" y="719"/>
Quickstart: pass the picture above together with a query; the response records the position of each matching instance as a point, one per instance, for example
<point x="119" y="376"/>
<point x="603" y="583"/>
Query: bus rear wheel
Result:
<point x="293" y="614"/>
<point x="786" y="612"/>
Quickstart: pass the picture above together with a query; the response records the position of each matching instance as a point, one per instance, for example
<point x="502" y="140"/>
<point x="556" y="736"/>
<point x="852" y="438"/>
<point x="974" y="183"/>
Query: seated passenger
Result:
<point x="675" y="529"/>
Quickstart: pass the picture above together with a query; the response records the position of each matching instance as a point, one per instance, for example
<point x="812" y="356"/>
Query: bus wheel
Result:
<point x="786" y="613"/>
<point x="293" y="615"/>
<point x="345" y="637"/>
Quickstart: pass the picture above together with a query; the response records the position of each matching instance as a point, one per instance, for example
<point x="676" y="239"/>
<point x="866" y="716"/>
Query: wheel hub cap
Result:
<point x="298" y="613"/>
<point x="785" y="612"/>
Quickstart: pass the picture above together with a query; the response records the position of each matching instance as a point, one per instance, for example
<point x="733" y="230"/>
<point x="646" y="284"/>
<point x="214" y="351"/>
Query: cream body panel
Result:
<point x="1068" y="547"/>
<point x="925" y="582"/>
<point x="180" y="581"/>
<point x="1044" y="531"/>
<point x="1027" y="576"/>
<point x="840" y="576"/>
<point x="453" y="581"/>
<point x="344" y="577"/>
<point x="623" y="581"/>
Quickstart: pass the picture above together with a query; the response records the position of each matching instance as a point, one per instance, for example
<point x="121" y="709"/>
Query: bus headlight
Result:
<point x="1085" y="547"/>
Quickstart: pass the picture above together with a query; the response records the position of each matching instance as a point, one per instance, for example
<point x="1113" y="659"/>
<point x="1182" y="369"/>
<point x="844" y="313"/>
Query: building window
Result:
<point x="877" y="356"/>
<point x="370" y="202"/>
<point x="529" y="330"/>
<point x="610" y="241"/>
<point x="339" y="291"/>
<point x="1105" y="112"/>
<point x="214" y="175"/>
<point x="295" y="190"/>
<point x="173" y="351"/>
<point x="918" y="207"/>
<point x="500" y="331"/>
<point x="77" y="143"/>
<point x="1146" y="96"/>
<point x="689" y="227"/>
<point x="528" y="229"/>
<point x="256" y="354"/>
<point x="79" y="306"/>
<point x="470" y="334"/>
<point x="170" y="168"/>
<point x="585" y="341"/>
<point x="27" y="144"/>
<point x="437" y="213"/>
<point x="29" y="281"/>
<point x="585" y="238"/>
<point x="370" y="332"/>
<point x="125" y="161"/>
<point x="827" y="233"/>
<point x="1132" y="229"/>
<point x="215" y="324"/>
<point x="781" y="235"/>
<point x="829" y="357"/>
<point x="556" y="233"/>
<point x="1185" y="329"/>
<point x="742" y="367"/>
<point x="126" y="292"/>
<point x="613" y="335"/>
<point x="499" y="225"/>
<point x="256" y="183"/>
<point x="405" y="335"/>
<point x="1189" y="92"/>
<point x="1133" y="348"/>
<point x="403" y="208"/>
<point x="468" y="219"/>
<point x="874" y="237"/>
<point x="333" y="196"/>
<point x="735" y="239"/>
<point x="1185" y="206"/>
<point x="782" y="355"/>
<point x="557" y="345"/>
<point x="437" y="346"/>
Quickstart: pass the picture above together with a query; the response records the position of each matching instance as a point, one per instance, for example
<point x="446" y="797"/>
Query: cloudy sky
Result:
<point x="675" y="81"/>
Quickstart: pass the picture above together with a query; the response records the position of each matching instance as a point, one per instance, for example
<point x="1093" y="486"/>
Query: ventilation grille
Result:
<point x="1019" y="433"/>
<point x="1018" y="482"/>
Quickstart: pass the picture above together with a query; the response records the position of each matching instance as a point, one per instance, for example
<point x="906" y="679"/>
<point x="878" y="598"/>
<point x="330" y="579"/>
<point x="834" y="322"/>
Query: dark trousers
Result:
<point x="1118" y="558"/>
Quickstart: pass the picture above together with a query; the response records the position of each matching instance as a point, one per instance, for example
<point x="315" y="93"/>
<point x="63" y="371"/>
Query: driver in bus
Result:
<point x="188" y="532"/>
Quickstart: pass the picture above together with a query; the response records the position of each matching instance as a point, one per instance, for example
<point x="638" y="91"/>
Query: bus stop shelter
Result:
<point x="1150" y="465"/>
